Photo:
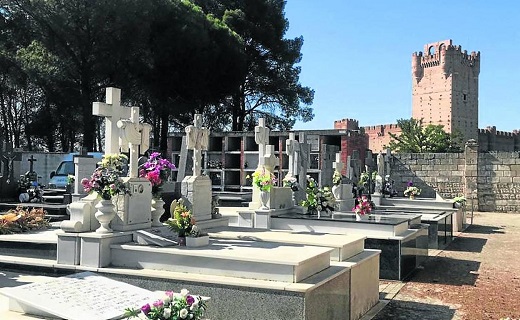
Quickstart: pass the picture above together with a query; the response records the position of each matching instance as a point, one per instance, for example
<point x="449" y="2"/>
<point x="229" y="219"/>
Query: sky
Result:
<point x="357" y="55"/>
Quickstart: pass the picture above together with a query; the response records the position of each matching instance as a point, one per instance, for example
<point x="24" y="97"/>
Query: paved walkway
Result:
<point x="476" y="277"/>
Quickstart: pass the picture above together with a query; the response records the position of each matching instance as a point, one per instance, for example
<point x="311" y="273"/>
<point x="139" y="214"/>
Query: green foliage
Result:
<point x="181" y="220"/>
<point x="416" y="138"/>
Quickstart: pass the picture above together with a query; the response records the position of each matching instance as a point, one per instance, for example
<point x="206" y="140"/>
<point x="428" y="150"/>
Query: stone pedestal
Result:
<point x="134" y="211"/>
<point x="95" y="247"/>
<point x="262" y="219"/>
<point x="69" y="245"/>
<point x="82" y="217"/>
<point x="196" y="190"/>
<point x="376" y="198"/>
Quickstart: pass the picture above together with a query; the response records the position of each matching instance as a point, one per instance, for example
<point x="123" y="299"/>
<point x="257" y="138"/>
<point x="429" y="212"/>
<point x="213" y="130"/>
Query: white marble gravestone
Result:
<point x="196" y="189"/>
<point x="344" y="199"/>
<point x="81" y="296"/>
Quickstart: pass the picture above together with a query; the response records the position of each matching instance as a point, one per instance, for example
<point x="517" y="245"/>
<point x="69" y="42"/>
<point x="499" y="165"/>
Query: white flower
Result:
<point x="184" y="292"/>
<point x="166" y="299"/>
<point x="167" y="312"/>
<point x="183" y="313"/>
<point x="191" y="316"/>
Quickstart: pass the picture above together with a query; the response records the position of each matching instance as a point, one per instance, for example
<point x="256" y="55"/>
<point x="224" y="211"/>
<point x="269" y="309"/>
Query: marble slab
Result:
<point x="81" y="296"/>
<point x="381" y="226"/>
<point x="345" y="246"/>
<point x="234" y="258"/>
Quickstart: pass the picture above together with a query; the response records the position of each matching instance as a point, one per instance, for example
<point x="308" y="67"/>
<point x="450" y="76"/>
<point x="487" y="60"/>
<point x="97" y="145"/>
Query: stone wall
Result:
<point x="491" y="178"/>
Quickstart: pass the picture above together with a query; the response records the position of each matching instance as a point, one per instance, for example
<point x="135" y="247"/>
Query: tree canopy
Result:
<point x="172" y="58"/>
<point x="416" y="138"/>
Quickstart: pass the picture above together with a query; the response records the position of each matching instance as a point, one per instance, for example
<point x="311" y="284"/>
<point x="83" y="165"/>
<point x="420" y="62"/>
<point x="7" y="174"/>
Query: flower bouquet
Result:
<point x="181" y="221"/>
<point x="263" y="179"/>
<point x="106" y="179"/>
<point x="412" y="190"/>
<point x="291" y="182"/>
<point x="156" y="170"/>
<point x="311" y="192"/>
<point x="459" y="202"/>
<point x="363" y="206"/>
<point x="173" y="306"/>
<point x="22" y="219"/>
<point x="336" y="178"/>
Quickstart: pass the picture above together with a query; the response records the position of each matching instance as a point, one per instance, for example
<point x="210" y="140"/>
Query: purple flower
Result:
<point x="158" y="304"/>
<point x="146" y="308"/>
<point x="410" y="183"/>
<point x="190" y="300"/>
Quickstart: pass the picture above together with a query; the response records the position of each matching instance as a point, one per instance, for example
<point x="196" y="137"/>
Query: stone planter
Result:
<point x="197" y="242"/>
<point x="361" y="217"/>
<point x="264" y="198"/>
<point x="104" y="214"/>
<point x="157" y="212"/>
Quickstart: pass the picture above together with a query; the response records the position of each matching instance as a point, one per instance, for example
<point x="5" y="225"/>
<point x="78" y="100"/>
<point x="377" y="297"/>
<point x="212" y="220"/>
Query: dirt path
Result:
<point x="476" y="277"/>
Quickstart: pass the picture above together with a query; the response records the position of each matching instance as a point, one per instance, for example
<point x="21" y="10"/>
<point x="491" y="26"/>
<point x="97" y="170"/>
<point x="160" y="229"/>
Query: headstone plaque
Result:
<point x="81" y="296"/>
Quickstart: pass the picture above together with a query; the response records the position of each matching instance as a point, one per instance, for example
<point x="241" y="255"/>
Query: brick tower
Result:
<point x="445" y="87"/>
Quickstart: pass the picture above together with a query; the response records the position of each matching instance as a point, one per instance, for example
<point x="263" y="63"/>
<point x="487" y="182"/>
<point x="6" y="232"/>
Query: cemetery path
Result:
<point x="476" y="277"/>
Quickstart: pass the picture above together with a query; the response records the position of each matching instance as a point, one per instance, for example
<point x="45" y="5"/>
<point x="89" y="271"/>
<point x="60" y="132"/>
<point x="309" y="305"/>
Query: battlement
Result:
<point x="493" y="131"/>
<point x="442" y="53"/>
<point x="346" y="124"/>
<point x="381" y="128"/>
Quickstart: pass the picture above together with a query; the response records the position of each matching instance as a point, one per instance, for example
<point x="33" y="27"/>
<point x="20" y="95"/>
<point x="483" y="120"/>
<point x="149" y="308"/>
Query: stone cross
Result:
<point x="197" y="139"/>
<point x="292" y="149"/>
<point x="355" y="165"/>
<point x="387" y="161"/>
<point x="262" y="139"/>
<point x="113" y="112"/>
<point x="270" y="160"/>
<point x="380" y="165"/>
<point x="134" y="137"/>
<point x="338" y="165"/>
<point x="31" y="163"/>
<point x="305" y="159"/>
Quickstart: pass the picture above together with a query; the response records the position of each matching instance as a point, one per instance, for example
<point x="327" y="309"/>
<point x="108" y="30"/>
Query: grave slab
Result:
<point x="81" y="296"/>
<point x="237" y="258"/>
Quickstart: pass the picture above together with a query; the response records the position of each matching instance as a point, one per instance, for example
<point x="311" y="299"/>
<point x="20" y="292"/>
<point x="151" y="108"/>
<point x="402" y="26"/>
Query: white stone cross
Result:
<point x="292" y="149"/>
<point x="262" y="139"/>
<point x="338" y="165"/>
<point x="113" y="112"/>
<point x="197" y="139"/>
<point x="135" y="137"/>
<point x="270" y="160"/>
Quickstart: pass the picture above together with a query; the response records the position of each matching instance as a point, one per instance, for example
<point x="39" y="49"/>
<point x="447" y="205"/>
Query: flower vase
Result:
<point x="412" y="197"/>
<point x="264" y="198"/>
<point x="104" y="214"/>
<point x="182" y="241"/>
<point x="157" y="212"/>
<point x="336" y="191"/>
<point x="361" y="217"/>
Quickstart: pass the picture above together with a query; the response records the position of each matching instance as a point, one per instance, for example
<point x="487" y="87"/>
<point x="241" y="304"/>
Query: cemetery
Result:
<point x="269" y="247"/>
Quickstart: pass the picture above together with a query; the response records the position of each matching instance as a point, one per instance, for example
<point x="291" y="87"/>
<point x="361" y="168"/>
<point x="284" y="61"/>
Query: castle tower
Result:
<point x="445" y="87"/>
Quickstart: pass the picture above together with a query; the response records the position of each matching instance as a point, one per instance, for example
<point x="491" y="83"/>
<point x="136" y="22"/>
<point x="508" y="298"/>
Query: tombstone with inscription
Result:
<point x="196" y="189"/>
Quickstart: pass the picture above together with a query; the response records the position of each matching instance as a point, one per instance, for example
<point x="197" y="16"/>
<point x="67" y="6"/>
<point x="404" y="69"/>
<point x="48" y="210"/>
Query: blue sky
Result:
<point x="357" y="55"/>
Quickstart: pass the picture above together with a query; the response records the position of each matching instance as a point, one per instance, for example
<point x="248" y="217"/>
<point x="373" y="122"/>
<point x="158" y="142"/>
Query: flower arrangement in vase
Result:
<point x="291" y="182"/>
<point x="181" y="220"/>
<point x="317" y="199"/>
<point x="459" y="202"/>
<point x="106" y="179"/>
<point x="156" y="170"/>
<point x="172" y="306"/>
<point x="336" y="178"/>
<point x="412" y="191"/>
<point x="363" y="207"/>
<point x="263" y="179"/>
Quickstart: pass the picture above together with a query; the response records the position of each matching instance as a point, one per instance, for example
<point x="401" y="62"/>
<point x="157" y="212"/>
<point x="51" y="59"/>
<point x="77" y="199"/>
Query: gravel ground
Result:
<point x="476" y="277"/>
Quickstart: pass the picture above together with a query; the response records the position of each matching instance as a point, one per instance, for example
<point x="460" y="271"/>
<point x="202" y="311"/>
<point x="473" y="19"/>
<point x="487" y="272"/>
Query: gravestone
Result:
<point x="262" y="139"/>
<point x="81" y="296"/>
<point x="292" y="149"/>
<point x="113" y="111"/>
<point x="343" y="191"/>
<point x="196" y="189"/>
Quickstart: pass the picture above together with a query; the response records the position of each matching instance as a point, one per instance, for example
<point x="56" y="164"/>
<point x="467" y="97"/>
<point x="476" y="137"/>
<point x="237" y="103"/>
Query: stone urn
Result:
<point x="264" y="198"/>
<point x="104" y="214"/>
<point x="157" y="212"/>
<point x="361" y="217"/>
